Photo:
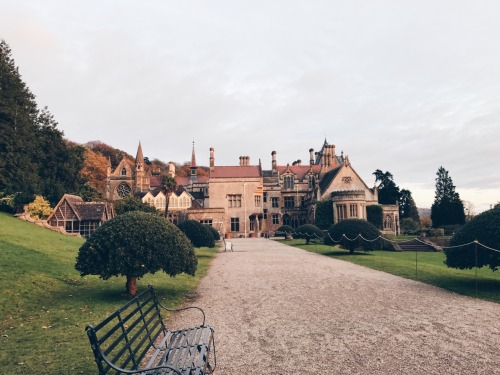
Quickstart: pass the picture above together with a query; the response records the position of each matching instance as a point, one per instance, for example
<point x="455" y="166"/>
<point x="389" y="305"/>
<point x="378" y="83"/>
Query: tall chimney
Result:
<point x="242" y="161"/>
<point x="311" y="156"/>
<point x="171" y="169"/>
<point x="247" y="161"/>
<point x="212" y="160"/>
<point x="274" y="160"/>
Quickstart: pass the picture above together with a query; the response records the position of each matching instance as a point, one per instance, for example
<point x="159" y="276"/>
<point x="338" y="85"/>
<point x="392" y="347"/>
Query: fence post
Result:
<point x="475" y="251"/>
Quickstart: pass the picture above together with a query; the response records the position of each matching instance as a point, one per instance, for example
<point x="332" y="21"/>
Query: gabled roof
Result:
<point x="235" y="172"/>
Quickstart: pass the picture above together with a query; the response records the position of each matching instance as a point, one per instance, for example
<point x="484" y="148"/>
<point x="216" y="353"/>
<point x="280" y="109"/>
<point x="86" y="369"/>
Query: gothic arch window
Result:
<point x="312" y="182"/>
<point x="388" y="222"/>
<point x="124" y="171"/>
<point x="123" y="190"/>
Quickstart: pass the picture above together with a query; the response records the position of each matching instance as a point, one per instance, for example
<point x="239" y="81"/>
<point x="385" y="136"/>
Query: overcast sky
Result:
<point x="404" y="86"/>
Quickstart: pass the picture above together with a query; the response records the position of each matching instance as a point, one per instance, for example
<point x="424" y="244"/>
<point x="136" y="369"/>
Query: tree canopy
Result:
<point x="134" y="244"/>
<point x="448" y="208"/>
<point x="483" y="228"/>
<point x="388" y="191"/>
<point x="34" y="156"/>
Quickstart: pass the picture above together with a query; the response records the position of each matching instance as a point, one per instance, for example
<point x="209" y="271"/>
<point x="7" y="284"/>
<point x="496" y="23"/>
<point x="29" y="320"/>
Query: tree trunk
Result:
<point x="131" y="286"/>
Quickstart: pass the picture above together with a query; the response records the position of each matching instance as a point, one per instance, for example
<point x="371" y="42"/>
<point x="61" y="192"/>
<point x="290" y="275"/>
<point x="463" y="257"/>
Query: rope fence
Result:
<point x="360" y="236"/>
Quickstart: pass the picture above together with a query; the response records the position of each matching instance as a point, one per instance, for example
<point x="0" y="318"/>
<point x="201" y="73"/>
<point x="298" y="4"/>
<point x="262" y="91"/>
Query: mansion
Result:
<point x="247" y="200"/>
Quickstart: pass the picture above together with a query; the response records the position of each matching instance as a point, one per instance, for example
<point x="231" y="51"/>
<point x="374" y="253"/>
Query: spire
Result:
<point x="139" y="159"/>
<point x="194" y="174"/>
<point x="193" y="157"/>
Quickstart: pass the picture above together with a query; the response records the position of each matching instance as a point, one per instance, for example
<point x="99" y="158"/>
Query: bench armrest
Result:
<point x="183" y="309"/>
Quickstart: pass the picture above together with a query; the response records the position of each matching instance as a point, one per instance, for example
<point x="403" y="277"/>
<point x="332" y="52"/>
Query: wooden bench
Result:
<point x="135" y="340"/>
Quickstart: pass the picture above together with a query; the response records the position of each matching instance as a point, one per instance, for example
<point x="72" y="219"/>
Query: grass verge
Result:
<point x="45" y="304"/>
<point x="422" y="266"/>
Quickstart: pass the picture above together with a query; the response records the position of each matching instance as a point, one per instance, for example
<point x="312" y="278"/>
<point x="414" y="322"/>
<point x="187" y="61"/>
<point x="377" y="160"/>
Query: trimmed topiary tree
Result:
<point x="308" y="232"/>
<point x="375" y="215"/>
<point x="284" y="230"/>
<point x="352" y="229"/>
<point x="215" y="232"/>
<point x="483" y="228"/>
<point x="198" y="233"/>
<point x="134" y="244"/>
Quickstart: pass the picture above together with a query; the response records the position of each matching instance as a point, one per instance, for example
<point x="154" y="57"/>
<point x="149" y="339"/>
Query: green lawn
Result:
<point x="426" y="267"/>
<point x="45" y="304"/>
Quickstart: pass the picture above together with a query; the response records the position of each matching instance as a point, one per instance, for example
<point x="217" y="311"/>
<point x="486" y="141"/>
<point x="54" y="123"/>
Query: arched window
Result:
<point x="124" y="171"/>
<point x="388" y="222"/>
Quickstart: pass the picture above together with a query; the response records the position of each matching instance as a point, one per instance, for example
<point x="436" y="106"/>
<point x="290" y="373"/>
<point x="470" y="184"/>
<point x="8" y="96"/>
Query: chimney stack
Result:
<point x="212" y="160"/>
<point x="311" y="156"/>
<point x="274" y="160"/>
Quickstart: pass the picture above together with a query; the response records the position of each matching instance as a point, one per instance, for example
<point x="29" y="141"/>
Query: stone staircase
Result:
<point x="417" y="245"/>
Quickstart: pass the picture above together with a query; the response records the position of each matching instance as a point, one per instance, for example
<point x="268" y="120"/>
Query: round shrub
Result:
<point x="215" y="232"/>
<point x="284" y="230"/>
<point x="485" y="229"/>
<point x="198" y="233"/>
<point x="308" y="232"/>
<point x="354" y="229"/>
<point x="134" y="244"/>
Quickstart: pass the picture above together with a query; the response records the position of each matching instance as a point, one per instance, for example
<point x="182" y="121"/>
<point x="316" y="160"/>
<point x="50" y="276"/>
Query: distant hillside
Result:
<point x="424" y="212"/>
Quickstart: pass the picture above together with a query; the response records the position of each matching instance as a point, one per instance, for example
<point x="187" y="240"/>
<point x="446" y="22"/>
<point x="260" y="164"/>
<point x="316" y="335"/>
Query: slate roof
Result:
<point x="91" y="210"/>
<point x="328" y="178"/>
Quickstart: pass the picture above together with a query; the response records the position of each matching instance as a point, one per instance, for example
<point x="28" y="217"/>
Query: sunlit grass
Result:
<point x="427" y="267"/>
<point x="45" y="304"/>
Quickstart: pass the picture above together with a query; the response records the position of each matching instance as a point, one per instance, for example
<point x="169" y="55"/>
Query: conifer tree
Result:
<point x="448" y="208"/>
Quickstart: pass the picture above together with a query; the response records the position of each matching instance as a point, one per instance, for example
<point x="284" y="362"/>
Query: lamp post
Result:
<point x="245" y="209"/>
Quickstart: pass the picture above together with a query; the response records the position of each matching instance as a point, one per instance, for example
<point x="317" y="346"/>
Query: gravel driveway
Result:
<point x="282" y="310"/>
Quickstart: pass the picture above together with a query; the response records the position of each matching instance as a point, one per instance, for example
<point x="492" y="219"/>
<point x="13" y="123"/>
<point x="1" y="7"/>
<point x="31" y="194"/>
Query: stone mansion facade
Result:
<point x="248" y="200"/>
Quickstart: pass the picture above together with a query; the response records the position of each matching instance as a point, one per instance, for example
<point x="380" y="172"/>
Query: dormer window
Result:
<point x="124" y="171"/>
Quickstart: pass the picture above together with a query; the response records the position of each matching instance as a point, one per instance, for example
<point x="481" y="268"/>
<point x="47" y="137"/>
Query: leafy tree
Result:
<point x="94" y="171"/>
<point x="168" y="185"/>
<point x="447" y="208"/>
<point x="324" y="214"/>
<point x="483" y="228"/>
<point x="128" y="204"/>
<point x="410" y="226"/>
<point x="349" y="233"/>
<point x="198" y="233"/>
<point x="308" y="232"/>
<point x="133" y="245"/>
<point x="407" y="207"/>
<point x="110" y="153"/>
<point x="39" y="208"/>
<point x="375" y="215"/>
<point x="388" y="191"/>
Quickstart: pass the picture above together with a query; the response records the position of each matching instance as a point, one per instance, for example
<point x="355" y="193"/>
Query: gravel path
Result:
<point x="281" y="310"/>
